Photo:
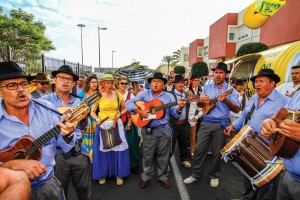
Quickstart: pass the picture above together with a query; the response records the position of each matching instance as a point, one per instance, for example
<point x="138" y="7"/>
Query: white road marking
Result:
<point x="184" y="195"/>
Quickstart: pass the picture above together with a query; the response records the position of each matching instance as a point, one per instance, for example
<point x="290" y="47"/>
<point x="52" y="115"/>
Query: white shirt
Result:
<point x="192" y="112"/>
<point x="287" y="89"/>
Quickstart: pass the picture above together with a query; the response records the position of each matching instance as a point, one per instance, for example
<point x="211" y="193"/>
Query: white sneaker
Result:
<point x="186" y="164"/>
<point x="214" y="182"/>
<point x="190" y="180"/>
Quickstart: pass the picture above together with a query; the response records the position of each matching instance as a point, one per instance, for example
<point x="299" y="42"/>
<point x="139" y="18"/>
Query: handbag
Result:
<point x="110" y="137"/>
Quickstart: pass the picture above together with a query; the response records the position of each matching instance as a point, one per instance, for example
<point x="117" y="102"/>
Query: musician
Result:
<point x="170" y="86"/>
<point x="289" y="184"/>
<point x="290" y="88"/>
<point x="42" y="83"/>
<point x="14" y="185"/>
<point x="195" y="112"/>
<point x="261" y="106"/>
<point x="157" y="135"/>
<point x="74" y="164"/>
<point x="20" y="116"/>
<point x="180" y="125"/>
<point x="211" y="130"/>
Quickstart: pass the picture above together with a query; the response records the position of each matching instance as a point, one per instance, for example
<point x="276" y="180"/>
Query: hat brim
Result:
<point x="41" y="81"/>
<point x="275" y="77"/>
<point x="7" y="77"/>
<point x="226" y="70"/>
<point x="54" y="73"/>
<point x="164" y="79"/>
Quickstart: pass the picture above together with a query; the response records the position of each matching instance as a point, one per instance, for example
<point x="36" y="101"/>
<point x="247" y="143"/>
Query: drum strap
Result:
<point x="249" y="115"/>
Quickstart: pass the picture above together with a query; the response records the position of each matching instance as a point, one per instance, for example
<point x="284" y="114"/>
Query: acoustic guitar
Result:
<point x="207" y="108"/>
<point x="280" y="145"/>
<point x="29" y="148"/>
<point x="156" y="110"/>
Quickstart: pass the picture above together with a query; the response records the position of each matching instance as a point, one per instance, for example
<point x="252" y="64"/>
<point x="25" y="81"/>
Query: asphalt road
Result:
<point x="230" y="186"/>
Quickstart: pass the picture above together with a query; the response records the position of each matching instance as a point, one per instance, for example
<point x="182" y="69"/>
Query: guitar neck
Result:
<point x="163" y="107"/>
<point x="39" y="142"/>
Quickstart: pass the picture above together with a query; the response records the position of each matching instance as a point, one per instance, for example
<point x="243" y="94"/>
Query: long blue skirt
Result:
<point x="107" y="164"/>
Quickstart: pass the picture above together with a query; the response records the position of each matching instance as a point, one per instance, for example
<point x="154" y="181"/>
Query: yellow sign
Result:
<point x="268" y="7"/>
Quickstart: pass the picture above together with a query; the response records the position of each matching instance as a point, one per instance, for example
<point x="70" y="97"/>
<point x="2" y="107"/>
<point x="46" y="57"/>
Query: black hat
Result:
<point x="222" y="66"/>
<point x="10" y="70"/>
<point x="65" y="69"/>
<point x="178" y="78"/>
<point x="157" y="75"/>
<point x="194" y="76"/>
<point x="267" y="72"/>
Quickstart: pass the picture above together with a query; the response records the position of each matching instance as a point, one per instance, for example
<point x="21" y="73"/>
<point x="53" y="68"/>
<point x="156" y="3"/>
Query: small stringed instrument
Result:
<point x="207" y="108"/>
<point x="29" y="148"/>
<point x="280" y="145"/>
<point x="155" y="108"/>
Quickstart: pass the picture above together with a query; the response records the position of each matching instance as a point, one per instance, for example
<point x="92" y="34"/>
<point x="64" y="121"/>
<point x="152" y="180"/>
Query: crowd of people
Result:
<point x="119" y="131"/>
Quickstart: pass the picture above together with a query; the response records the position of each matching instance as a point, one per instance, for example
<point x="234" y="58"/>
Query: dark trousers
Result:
<point x="289" y="188"/>
<point x="180" y="135"/>
<point x="209" y="134"/>
<point x="51" y="190"/>
<point x="78" y="169"/>
<point x="266" y="192"/>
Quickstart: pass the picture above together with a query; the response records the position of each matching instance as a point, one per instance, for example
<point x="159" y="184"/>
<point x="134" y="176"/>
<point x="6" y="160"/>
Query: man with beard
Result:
<point x="157" y="134"/>
<point x="20" y="116"/>
<point x="214" y="122"/>
<point x="290" y="88"/>
<point x="74" y="164"/>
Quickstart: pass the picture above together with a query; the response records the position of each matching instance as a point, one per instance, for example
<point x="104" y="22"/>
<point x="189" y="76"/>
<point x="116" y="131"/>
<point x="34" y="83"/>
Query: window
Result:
<point x="231" y="33"/>
<point x="199" y="52"/>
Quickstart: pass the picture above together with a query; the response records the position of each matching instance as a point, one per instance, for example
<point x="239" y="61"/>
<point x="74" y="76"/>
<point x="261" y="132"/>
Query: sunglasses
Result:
<point x="123" y="83"/>
<point x="44" y="83"/>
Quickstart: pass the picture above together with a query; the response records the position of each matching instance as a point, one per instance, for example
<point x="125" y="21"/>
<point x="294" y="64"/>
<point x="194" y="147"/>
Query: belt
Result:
<point x="183" y="121"/>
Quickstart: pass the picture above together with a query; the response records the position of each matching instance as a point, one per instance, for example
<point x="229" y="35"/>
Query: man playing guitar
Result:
<point x="261" y="106"/>
<point x="157" y="134"/>
<point x="20" y="116"/>
<point x="211" y="130"/>
<point x="289" y="184"/>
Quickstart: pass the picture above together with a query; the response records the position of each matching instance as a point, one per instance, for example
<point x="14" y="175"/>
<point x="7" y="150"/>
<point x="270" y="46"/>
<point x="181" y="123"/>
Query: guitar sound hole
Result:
<point x="152" y="110"/>
<point x="20" y="155"/>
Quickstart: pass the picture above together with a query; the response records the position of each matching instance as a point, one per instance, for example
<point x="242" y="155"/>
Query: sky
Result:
<point x="137" y="30"/>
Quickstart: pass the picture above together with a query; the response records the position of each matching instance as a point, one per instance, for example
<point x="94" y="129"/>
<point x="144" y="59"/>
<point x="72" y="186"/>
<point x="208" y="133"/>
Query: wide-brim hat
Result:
<point x="10" y="70"/>
<point x="107" y="77"/>
<point x="194" y="76"/>
<point x="222" y="66"/>
<point x="266" y="72"/>
<point x="157" y="75"/>
<point x="65" y="69"/>
<point x="41" y="78"/>
<point x="178" y="78"/>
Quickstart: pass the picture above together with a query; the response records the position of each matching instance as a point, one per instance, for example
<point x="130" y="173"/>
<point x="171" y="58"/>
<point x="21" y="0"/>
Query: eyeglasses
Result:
<point x="63" y="78"/>
<point x="123" y="83"/>
<point x="14" y="86"/>
<point x="43" y="83"/>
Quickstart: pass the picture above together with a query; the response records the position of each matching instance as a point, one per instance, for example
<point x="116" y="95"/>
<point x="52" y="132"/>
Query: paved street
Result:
<point x="230" y="186"/>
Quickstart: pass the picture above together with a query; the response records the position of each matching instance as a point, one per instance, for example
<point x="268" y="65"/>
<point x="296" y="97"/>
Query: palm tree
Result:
<point x="167" y="60"/>
<point x="176" y="57"/>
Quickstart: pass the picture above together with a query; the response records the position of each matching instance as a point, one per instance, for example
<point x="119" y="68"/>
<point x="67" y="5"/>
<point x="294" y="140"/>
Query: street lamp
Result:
<point x="81" y="25"/>
<point x="112" y="59"/>
<point x="99" y="29"/>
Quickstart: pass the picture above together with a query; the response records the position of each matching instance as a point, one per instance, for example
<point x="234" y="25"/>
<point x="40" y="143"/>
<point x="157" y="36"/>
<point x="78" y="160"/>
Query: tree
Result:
<point x="251" y="48"/>
<point x="167" y="60"/>
<point x="179" y="70"/>
<point x="176" y="57"/>
<point x="24" y="36"/>
<point x="200" y="68"/>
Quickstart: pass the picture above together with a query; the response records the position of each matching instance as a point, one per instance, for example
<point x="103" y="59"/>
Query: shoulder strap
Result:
<point x="249" y="115"/>
<point x="47" y="108"/>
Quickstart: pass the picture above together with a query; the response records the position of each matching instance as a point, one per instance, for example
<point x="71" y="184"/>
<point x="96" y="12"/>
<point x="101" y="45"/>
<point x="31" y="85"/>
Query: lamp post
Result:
<point x="99" y="29"/>
<point x="112" y="59"/>
<point x="81" y="25"/>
